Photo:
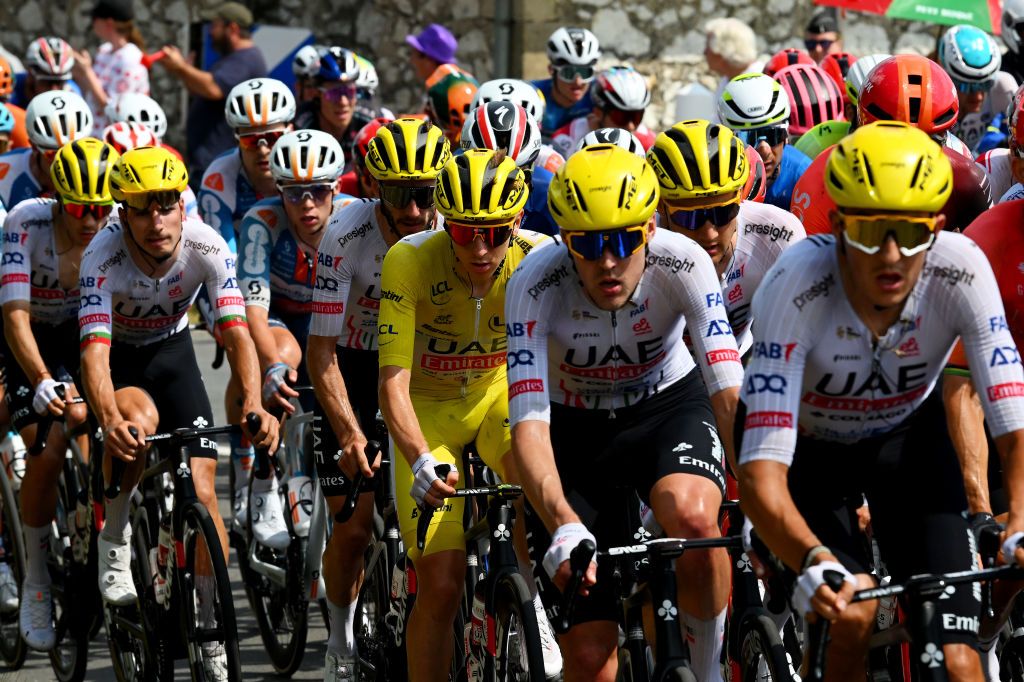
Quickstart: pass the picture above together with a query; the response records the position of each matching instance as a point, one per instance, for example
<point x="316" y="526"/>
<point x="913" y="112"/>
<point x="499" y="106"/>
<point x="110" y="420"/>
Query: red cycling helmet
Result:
<point x="836" y="65"/>
<point x="784" y="58"/>
<point x="757" y="184"/>
<point x="912" y="89"/>
<point x="813" y="97"/>
<point x="365" y="134"/>
<point x="1015" y="120"/>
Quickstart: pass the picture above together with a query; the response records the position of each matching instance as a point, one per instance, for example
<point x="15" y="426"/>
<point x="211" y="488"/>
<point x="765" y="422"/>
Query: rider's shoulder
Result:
<point x="355" y="218"/>
<point x="199" y="237"/>
<point x="30" y="213"/>
<point x="222" y="171"/>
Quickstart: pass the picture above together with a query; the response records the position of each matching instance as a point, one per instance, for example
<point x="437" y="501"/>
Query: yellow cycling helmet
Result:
<point x="697" y="159"/>
<point x="81" y="171"/>
<point x="407" y="149"/>
<point x="889" y="166"/>
<point x="481" y="186"/>
<point x="147" y="169"/>
<point x="603" y="187"/>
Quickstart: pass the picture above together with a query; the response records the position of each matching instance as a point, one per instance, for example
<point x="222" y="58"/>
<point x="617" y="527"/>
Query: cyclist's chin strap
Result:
<point x="389" y="219"/>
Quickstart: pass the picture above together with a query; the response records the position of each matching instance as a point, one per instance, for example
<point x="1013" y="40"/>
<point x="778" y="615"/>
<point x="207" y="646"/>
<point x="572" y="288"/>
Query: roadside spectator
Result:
<point x="433" y="46"/>
<point x="207" y="132"/>
<point x="118" y="66"/>
<point x="731" y="50"/>
<point x="822" y="37"/>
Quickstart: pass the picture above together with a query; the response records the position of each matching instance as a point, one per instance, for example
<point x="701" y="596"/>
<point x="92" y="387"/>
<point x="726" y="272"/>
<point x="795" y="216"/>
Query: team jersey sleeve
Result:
<point x="991" y="352"/>
<point x="16" y="263"/>
<point x="191" y="204"/>
<point x="527" y="320"/>
<point x="773" y="379"/>
<point x="400" y="278"/>
<point x="702" y="305"/>
<point x="217" y="214"/>
<point x="254" y="247"/>
<point x="94" y="308"/>
<point x="334" y="272"/>
<point x="222" y="284"/>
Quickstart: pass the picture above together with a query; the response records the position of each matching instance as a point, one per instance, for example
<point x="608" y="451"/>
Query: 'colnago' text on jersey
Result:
<point x="816" y="367"/>
<point x="430" y="324"/>
<point x="564" y="349"/>
<point x="30" y="267"/>
<point x="121" y="301"/>
<point x="346" y="300"/>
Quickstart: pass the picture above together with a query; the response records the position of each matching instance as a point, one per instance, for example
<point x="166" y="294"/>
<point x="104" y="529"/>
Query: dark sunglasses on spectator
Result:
<point x="773" y="135"/>
<point x="493" y="235"/>
<point x="569" y="72"/>
<point x="254" y="140"/>
<point x="968" y="88"/>
<point x="296" y="194"/>
<point x="164" y="199"/>
<point x="79" y="211"/>
<point x="334" y="93"/>
<point x="811" y="44"/>
<point x="591" y="245"/>
<point x="400" y="197"/>
<point x="694" y="219"/>
<point x="623" y="118"/>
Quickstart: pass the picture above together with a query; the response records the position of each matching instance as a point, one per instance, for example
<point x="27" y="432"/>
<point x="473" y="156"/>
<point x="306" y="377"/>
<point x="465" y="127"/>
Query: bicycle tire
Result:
<point x="282" y="611"/>
<point x="13" y="649"/>
<point x="762" y="655"/>
<point x="372" y="606"/>
<point x="519" y="656"/>
<point x="197" y="525"/>
<point x="70" y="654"/>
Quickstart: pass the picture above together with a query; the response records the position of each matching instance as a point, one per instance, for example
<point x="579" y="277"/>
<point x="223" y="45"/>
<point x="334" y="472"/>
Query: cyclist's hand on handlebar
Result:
<point x="353" y="458"/>
<point x="119" y="441"/>
<point x="46" y="398"/>
<point x="812" y="592"/>
<point x="1012" y="549"/>
<point x="276" y="391"/>
<point x="556" y="560"/>
<point x="268" y="435"/>
<point x="427" y="487"/>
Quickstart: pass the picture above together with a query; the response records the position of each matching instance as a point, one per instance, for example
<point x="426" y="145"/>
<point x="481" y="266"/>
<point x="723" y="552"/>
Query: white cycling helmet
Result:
<point x="511" y="90"/>
<point x="504" y="126"/>
<point x="969" y="55"/>
<point x="617" y="136"/>
<point x="126" y="135"/>
<point x="858" y="74"/>
<point x="1013" y="17"/>
<point x="259" y="102"/>
<point x="576" y="46"/>
<point x="620" y="87"/>
<point x="50" y="57"/>
<point x="306" y="62"/>
<point x="367" y="80"/>
<point x="753" y="100"/>
<point x="55" y="118"/>
<point x="304" y="157"/>
<point x="135" y="107"/>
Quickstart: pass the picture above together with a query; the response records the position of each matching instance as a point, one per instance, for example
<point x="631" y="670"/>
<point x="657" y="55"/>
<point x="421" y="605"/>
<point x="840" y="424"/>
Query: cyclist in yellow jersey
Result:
<point x="442" y="372"/>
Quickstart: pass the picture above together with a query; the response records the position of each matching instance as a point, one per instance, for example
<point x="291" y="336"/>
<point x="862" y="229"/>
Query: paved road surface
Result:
<point x="255" y="664"/>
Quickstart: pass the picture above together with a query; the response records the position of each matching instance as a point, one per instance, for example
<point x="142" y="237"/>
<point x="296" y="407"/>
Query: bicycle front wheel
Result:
<point x="12" y="647"/>
<point x="281" y="610"/>
<point x="69" y="656"/>
<point x="372" y="606"/>
<point x="208" y="610"/>
<point x="762" y="655"/>
<point x="517" y="638"/>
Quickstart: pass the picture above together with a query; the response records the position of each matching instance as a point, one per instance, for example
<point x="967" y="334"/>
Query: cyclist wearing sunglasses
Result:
<point x="259" y="111"/>
<point x="277" y="246"/>
<point x="705" y="200"/>
<point x="756" y="108"/>
<point x="442" y="372"/>
<point x="972" y="59"/>
<point x="39" y="292"/>
<point x="405" y="156"/>
<point x="138" y="281"/>
<point x="620" y="96"/>
<point x="603" y="392"/>
<point x="822" y="37"/>
<point x="853" y="333"/>
<point x="572" y="57"/>
<point x="53" y="119"/>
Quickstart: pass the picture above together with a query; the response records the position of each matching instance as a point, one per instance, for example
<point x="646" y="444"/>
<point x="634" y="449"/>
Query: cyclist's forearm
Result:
<point x="330" y="388"/>
<point x="242" y="357"/>
<point x="262" y="336"/>
<point x="22" y="342"/>
<point x="966" y="422"/>
<point x="98" y="385"/>
<point x="765" y="499"/>
<point x="396" y="405"/>
<point x="723" y="404"/>
<point x="531" y="447"/>
<point x="1011" y="454"/>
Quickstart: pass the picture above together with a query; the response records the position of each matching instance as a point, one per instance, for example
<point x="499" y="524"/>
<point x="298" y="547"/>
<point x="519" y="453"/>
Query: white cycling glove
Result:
<point x="424" y="476"/>
<point x="563" y="542"/>
<point x="813" y="578"/>
<point x="274" y="378"/>
<point x="46" y="392"/>
<point x="1010" y="546"/>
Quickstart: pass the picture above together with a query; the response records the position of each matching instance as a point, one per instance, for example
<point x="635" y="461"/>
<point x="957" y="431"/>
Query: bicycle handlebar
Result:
<point x="426" y="513"/>
<point x="45" y="423"/>
<point x="349" y="506"/>
<point x="579" y="562"/>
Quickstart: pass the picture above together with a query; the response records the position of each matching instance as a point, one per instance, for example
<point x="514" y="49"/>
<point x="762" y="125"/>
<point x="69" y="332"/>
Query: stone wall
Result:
<point x="663" y="40"/>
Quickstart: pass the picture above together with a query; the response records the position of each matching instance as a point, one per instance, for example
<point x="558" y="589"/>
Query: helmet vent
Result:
<point x="915" y="109"/>
<point x="946" y="116"/>
<point x="914" y="79"/>
<point x="579" y="197"/>
<point x="879" y="113"/>
<point x="917" y="171"/>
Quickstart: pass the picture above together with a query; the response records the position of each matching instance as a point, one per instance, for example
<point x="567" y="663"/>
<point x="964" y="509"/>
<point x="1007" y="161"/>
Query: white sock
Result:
<point x="117" y="522"/>
<point x="343" y="638"/>
<point x="37" y="547"/>
<point x="705" y="638"/>
<point x="989" y="659"/>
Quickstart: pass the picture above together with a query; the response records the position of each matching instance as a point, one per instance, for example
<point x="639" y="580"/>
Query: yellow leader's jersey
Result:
<point x="431" y="325"/>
